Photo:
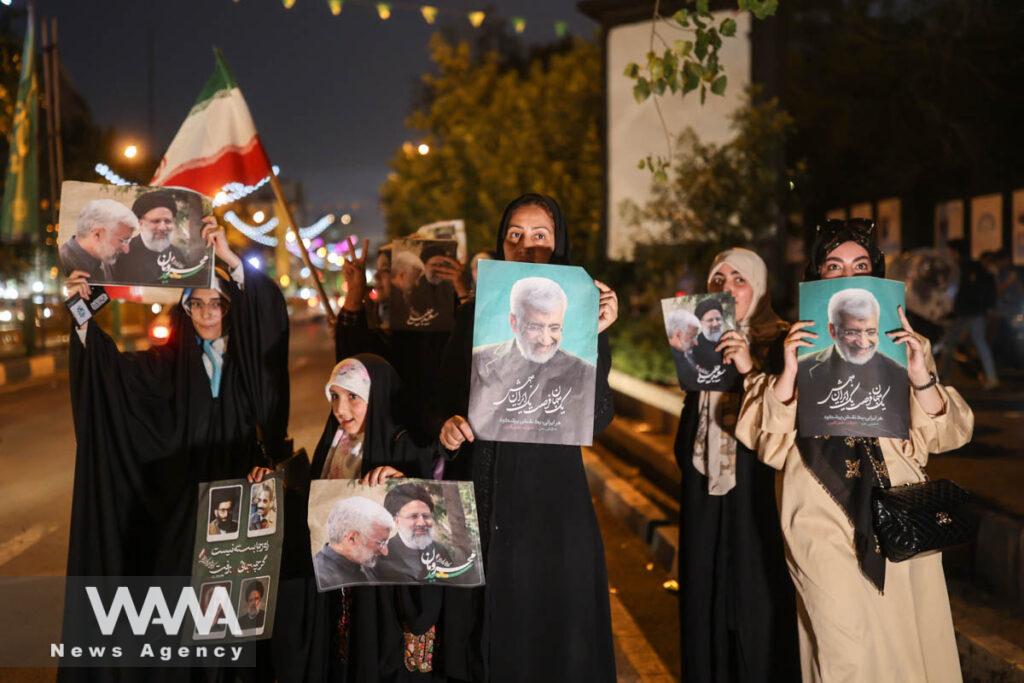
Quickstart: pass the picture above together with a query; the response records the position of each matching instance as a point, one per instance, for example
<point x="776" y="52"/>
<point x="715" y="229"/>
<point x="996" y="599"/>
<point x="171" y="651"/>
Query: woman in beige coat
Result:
<point x="861" y="617"/>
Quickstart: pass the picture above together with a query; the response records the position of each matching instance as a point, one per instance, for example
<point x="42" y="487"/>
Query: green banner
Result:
<point x="19" y="216"/>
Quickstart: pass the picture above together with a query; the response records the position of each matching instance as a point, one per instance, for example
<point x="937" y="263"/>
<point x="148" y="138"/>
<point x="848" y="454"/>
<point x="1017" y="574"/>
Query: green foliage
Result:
<point x="495" y="132"/>
<point x="687" y="66"/>
<point x="719" y="196"/>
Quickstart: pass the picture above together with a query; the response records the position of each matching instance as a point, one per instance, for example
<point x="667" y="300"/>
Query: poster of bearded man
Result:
<point x="404" y="531"/>
<point x="534" y="354"/>
<point x="695" y="325"/>
<point x="853" y="381"/>
<point x="136" y="236"/>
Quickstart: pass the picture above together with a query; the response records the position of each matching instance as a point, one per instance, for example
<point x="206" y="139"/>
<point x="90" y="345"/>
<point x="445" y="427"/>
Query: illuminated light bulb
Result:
<point x="346" y="219"/>
<point x="254" y="261"/>
<point x="321" y="252"/>
<point x="285" y="280"/>
<point x="518" y="24"/>
<point x="37" y="286"/>
<point x="384" y="10"/>
<point x="156" y="308"/>
<point x="161" y="332"/>
<point x="477" y="18"/>
<point x="131" y="151"/>
<point x="429" y="14"/>
<point x="408" y="148"/>
<point x="335" y="6"/>
<point x="288" y="4"/>
<point x="423" y="149"/>
<point x="258" y="216"/>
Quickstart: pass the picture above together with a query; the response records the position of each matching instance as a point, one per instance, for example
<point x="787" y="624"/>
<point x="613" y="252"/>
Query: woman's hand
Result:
<point x="378" y="475"/>
<point x="917" y="367"/>
<point x="799" y="337"/>
<point x="257" y="474"/>
<point x="353" y="270"/>
<point x="455" y="432"/>
<point x="215" y="237"/>
<point x="735" y="351"/>
<point x="608" y="307"/>
<point x="78" y="283"/>
<point x="451" y="270"/>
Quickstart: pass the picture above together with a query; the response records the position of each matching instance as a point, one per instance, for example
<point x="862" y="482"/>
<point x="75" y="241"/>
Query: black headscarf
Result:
<point x="560" y="256"/>
<point x="832" y="233"/>
<point x="849" y="468"/>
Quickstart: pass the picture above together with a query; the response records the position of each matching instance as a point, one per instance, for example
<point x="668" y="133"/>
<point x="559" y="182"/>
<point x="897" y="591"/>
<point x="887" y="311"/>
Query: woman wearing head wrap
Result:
<point x="356" y="634"/>
<point x="736" y="599"/>
<point x="151" y="425"/>
<point x="544" y="613"/>
<point x="861" y="617"/>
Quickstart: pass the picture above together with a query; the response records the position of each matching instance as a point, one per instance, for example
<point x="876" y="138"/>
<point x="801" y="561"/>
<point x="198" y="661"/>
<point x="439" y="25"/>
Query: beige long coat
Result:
<point x="848" y="630"/>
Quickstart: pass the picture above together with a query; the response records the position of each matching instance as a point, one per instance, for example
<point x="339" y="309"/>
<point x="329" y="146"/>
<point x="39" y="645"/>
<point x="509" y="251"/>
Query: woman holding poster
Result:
<point x="861" y="617"/>
<point x="544" y="614"/>
<point x="736" y="599"/>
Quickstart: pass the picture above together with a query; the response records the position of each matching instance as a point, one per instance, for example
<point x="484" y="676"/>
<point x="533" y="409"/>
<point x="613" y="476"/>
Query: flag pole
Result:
<point x="275" y="184"/>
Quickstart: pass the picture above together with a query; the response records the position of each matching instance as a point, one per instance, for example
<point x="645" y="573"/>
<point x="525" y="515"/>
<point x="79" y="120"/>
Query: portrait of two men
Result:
<point x="142" y="236"/>
<point x="406" y="531"/>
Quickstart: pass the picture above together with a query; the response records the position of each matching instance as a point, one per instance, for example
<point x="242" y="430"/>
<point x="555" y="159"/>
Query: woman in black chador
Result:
<point x="544" y="613"/>
<point x="736" y="601"/>
<point x="150" y="426"/>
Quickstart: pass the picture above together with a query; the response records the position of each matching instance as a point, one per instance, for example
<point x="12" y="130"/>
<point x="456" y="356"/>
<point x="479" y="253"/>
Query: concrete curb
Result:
<point x="17" y="370"/>
<point x="34" y="367"/>
<point x="984" y="654"/>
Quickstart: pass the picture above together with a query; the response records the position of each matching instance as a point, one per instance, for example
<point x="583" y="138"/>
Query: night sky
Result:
<point x="329" y="94"/>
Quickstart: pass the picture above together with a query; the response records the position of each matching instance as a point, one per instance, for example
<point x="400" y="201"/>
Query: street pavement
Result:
<point x="37" y="448"/>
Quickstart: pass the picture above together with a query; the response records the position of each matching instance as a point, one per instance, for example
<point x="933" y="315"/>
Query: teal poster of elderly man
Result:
<point x="852" y="380"/>
<point x="534" y="354"/>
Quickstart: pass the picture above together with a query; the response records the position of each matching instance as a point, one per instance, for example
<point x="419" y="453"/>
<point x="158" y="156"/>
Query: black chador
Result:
<point x="149" y="429"/>
<point x="544" y="614"/>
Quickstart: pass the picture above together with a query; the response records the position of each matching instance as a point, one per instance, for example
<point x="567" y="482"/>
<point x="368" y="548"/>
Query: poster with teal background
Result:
<point x="853" y="381"/>
<point x="534" y="354"/>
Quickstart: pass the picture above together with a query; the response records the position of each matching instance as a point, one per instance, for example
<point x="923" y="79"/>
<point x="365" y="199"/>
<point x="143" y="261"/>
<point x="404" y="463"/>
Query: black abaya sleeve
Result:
<point x="604" y="406"/>
<point x="452" y="393"/>
<point x="259" y="344"/>
<point x="123" y="416"/>
<point x="353" y="335"/>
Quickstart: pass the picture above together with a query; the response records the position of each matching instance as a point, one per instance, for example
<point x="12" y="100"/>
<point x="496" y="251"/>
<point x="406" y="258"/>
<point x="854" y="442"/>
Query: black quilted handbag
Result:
<point x="922" y="518"/>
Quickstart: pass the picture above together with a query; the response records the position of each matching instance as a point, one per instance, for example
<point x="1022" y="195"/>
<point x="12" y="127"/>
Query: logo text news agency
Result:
<point x="155" y="611"/>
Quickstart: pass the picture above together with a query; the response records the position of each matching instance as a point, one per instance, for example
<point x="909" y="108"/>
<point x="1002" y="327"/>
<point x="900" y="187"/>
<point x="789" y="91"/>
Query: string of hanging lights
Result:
<point x="429" y="13"/>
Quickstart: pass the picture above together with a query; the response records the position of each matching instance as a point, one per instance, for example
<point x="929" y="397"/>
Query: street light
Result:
<point x="423" y="149"/>
<point x="131" y="151"/>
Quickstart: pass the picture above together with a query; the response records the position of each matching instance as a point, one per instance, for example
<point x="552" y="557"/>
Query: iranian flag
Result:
<point x="217" y="144"/>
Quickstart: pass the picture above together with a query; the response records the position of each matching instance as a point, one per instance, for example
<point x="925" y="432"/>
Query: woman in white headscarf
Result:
<point x="737" y="607"/>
